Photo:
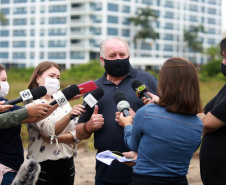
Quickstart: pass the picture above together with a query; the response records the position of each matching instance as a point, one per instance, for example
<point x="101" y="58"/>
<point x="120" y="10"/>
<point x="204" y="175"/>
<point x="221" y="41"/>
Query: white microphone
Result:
<point x="122" y="104"/>
<point x="28" y="173"/>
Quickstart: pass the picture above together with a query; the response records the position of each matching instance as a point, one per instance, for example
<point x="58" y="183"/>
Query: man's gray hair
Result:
<point x="113" y="38"/>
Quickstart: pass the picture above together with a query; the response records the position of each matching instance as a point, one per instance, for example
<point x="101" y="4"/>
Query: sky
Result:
<point x="223" y="7"/>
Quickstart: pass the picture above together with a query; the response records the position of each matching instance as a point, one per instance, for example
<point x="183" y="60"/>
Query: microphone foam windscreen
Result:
<point x="119" y="96"/>
<point x="97" y="93"/>
<point x="71" y="91"/>
<point x="38" y="92"/>
<point x="136" y="84"/>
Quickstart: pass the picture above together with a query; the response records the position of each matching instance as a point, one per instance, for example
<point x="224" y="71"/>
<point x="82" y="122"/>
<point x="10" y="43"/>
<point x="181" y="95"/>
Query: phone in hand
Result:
<point x="87" y="87"/>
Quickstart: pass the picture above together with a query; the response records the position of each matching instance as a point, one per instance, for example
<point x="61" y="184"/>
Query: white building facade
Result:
<point x="69" y="32"/>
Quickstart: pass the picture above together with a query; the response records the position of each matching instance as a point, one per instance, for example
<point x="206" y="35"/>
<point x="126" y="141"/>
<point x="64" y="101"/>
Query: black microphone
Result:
<point x="92" y="98"/>
<point x="68" y="93"/>
<point x="28" y="173"/>
<point x="140" y="89"/>
<point x="27" y="96"/>
<point x="122" y="104"/>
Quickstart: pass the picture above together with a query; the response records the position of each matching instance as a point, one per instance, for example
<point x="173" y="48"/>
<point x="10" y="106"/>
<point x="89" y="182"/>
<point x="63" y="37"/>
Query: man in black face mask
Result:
<point x="108" y="135"/>
<point x="212" y="152"/>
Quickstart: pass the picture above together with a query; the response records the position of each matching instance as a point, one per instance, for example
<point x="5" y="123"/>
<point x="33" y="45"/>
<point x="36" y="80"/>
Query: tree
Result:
<point x="143" y="20"/>
<point x="191" y="37"/>
<point x="214" y="52"/>
<point x="3" y="20"/>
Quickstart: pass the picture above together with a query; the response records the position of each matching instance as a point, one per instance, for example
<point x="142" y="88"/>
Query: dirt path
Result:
<point x="85" y="168"/>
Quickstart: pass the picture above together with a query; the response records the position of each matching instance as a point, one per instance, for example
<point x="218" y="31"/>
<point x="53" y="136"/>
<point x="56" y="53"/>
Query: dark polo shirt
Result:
<point x="111" y="135"/>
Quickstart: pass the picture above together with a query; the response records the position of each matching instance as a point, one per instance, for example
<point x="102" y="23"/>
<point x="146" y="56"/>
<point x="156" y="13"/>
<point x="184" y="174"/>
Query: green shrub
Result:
<point x="211" y="69"/>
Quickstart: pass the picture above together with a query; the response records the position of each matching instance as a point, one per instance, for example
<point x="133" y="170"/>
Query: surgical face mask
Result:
<point x="52" y="85"/>
<point x="117" y="68"/>
<point x="4" y="88"/>
<point x="223" y="69"/>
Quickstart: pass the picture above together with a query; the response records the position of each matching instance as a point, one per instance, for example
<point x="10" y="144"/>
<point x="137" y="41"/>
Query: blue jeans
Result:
<point x="105" y="183"/>
<point x="8" y="178"/>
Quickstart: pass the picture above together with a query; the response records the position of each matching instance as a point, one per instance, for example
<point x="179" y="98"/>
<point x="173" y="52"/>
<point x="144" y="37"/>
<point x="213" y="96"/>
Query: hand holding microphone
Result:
<point x="92" y="98"/>
<point x="140" y="89"/>
<point x="122" y="104"/>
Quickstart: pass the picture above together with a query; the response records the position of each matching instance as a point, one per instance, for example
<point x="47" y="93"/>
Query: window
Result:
<point x="57" y="55"/>
<point x="112" y="31"/>
<point x="168" y="37"/>
<point x="19" y="44"/>
<point x="54" y="32"/>
<point x="32" y="44"/>
<point x="19" y="55"/>
<point x="4" y="55"/>
<point x="42" y="32"/>
<point x="19" y="1"/>
<point x="193" y="8"/>
<point x="126" y="21"/>
<point x="19" y="21"/>
<point x="168" y="47"/>
<point x="32" y="32"/>
<point x="95" y="31"/>
<point x="5" y="11"/>
<point x="32" y="21"/>
<point x="57" y="20"/>
<point x="169" y="4"/>
<point x="211" y="31"/>
<point x="169" y="15"/>
<point x="126" y="9"/>
<point x="4" y="33"/>
<point x="20" y="10"/>
<point x="4" y="44"/>
<point x="4" y="1"/>
<point x="113" y="19"/>
<point x="41" y="55"/>
<point x="193" y="18"/>
<point x="19" y="33"/>
<point x="211" y="41"/>
<point x="148" y="2"/>
<point x="112" y="7"/>
<point x="169" y="26"/>
<point x="57" y="8"/>
<point x="125" y="33"/>
<point x="32" y="55"/>
<point x="77" y="55"/>
<point x="145" y="46"/>
<point x="54" y="43"/>
<point x="212" y="11"/>
<point x="211" y="21"/>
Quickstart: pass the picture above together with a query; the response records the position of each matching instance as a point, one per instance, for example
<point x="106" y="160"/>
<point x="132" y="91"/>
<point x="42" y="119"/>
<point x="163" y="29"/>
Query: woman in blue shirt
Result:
<point x="166" y="133"/>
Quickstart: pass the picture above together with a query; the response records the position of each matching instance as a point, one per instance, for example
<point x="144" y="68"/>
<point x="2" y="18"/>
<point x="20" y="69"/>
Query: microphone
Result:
<point x="122" y="104"/>
<point x="61" y="97"/>
<point x="28" y="173"/>
<point x="27" y="96"/>
<point x="140" y="89"/>
<point x="92" y="98"/>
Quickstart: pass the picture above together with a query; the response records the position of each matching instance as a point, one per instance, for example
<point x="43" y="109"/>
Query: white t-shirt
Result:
<point x="40" y="150"/>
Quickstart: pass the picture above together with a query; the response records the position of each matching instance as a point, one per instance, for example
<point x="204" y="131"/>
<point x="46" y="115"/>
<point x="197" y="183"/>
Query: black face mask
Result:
<point x="223" y="69"/>
<point x="117" y="68"/>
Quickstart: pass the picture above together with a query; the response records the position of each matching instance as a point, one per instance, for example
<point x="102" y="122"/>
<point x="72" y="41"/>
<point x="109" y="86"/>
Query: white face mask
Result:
<point x="4" y="88"/>
<point x="52" y="85"/>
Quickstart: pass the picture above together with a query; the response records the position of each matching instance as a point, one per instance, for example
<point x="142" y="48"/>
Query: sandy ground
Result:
<point x="85" y="168"/>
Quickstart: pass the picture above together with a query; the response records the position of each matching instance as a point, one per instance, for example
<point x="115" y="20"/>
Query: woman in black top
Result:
<point x="213" y="149"/>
